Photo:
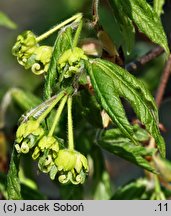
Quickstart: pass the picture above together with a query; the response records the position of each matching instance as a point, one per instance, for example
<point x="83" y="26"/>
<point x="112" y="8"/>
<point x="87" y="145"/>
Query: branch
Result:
<point x="95" y="5"/>
<point x="133" y="66"/>
<point x="163" y="82"/>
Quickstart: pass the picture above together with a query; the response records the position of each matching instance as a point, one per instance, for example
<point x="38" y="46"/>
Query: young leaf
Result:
<point x="114" y="142"/>
<point x="6" y="21"/>
<point x="111" y="82"/>
<point x="62" y="43"/>
<point x="158" y="6"/>
<point x="146" y="19"/>
<point x="13" y="182"/>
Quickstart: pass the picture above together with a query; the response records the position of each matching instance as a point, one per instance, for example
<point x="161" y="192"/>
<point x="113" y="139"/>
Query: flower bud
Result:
<point x="92" y="47"/>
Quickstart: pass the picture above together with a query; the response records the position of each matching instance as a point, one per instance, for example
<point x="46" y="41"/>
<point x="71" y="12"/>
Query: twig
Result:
<point x="163" y="82"/>
<point x="133" y="66"/>
<point x="95" y="12"/>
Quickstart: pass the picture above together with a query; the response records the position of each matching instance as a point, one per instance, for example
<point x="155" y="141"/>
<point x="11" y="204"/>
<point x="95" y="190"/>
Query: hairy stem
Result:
<point x="95" y="13"/>
<point x="75" y="18"/>
<point x="58" y="115"/>
<point x="70" y="125"/>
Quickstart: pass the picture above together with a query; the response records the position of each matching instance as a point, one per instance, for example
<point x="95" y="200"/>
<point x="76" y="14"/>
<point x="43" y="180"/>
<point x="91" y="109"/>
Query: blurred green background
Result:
<point x="39" y="16"/>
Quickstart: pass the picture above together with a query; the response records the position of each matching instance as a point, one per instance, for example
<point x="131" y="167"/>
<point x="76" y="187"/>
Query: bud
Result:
<point x="92" y="47"/>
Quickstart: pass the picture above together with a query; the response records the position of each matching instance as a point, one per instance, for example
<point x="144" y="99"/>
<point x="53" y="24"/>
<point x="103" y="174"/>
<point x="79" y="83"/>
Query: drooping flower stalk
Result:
<point x="70" y="125"/>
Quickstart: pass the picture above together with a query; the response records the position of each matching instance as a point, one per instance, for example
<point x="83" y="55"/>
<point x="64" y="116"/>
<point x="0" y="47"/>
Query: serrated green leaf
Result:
<point x="140" y="134"/>
<point x="146" y="19"/>
<point x="111" y="82"/>
<point x="115" y="142"/>
<point x="62" y="43"/>
<point x="13" y="182"/>
<point x="158" y="6"/>
<point x="132" y="191"/>
<point x="26" y="192"/>
<point x="6" y="21"/>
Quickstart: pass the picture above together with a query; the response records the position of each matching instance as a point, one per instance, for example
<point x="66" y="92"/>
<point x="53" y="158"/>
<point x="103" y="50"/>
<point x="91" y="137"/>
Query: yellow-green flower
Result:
<point x="27" y="135"/>
<point x="24" y="47"/>
<point x="72" y="165"/>
<point x="70" y="61"/>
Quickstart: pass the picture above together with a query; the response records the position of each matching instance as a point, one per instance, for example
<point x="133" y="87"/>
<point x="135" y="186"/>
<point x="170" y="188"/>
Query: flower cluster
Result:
<point x="53" y="158"/>
<point x="30" y="54"/>
<point x="70" y="62"/>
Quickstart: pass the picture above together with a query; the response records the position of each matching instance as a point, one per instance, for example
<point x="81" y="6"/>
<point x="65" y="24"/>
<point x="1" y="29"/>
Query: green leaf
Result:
<point x="6" y="21"/>
<point x="114" y="142"/>
<point x="158" y="6"/>
<point x="62" y="43"/>
<point x="126" y="28"/>
<point x="13" y="182"/>
<point x="131" y="191"/>
<point x="146" y="19"/>
<point x="111" y="82"/>
<point x="26" y="192"/>
<point x="25" y="99"/>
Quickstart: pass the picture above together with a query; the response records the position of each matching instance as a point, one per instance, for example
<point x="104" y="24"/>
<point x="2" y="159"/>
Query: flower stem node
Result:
<point x="72" y="165"/>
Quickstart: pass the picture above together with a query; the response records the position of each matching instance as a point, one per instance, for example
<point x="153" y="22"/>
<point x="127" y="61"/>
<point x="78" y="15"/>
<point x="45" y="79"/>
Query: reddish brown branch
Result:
<point x="152" y="54"/>
<point x="163" y="82"/>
